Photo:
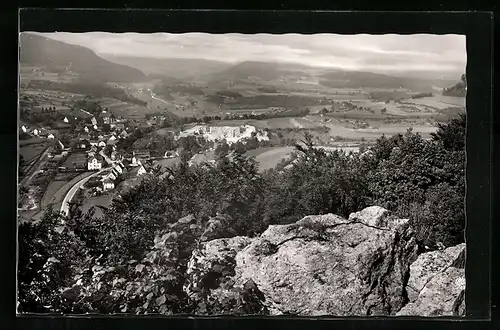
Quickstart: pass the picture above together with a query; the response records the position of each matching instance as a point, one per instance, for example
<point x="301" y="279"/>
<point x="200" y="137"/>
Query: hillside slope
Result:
<point x="55" y="55"/>
<point x="180" y="68"/>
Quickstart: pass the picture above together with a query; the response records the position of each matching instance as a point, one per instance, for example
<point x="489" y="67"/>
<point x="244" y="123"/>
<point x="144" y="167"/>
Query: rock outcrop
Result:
<point x="436" y="286"/>
<point x="320" y="265"/>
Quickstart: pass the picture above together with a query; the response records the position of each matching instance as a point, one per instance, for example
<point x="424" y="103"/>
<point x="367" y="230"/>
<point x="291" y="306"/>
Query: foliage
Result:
<point x="133" y="259"/>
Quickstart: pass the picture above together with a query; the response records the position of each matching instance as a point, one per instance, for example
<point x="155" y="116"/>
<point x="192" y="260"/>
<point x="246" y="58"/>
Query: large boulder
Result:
<point x="436" y="286"/>
<point x="320" y="265"/>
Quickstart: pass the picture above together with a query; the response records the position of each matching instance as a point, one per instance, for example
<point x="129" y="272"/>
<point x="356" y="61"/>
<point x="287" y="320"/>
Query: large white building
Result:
<point x="94" y="164"/>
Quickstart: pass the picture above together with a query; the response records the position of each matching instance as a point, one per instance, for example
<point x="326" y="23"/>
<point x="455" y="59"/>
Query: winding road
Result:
<point x="154" y="97"/>
<point x="72" y="191"/>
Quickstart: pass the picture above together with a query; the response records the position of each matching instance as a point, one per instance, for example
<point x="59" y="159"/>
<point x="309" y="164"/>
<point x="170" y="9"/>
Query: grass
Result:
<point x="49" y="196"/>
<point x="75" y="157"/>
<point x="104" y="200"/>
<point x="30" y="152"/>
<point x="168" y="162"/>
<point x="62" y="191"/>
<point x="269" y="157"/>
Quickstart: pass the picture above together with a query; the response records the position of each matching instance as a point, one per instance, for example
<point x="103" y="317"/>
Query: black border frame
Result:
<point x="478" y="27"/>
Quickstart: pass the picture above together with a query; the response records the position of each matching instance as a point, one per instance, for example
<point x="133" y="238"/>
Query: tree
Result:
<point x="452" y="134"/>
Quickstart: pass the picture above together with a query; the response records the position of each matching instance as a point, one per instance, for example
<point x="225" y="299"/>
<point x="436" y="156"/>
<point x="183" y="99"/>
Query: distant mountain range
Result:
<point x="173" y="68"/>
<point x="36" y="50"/>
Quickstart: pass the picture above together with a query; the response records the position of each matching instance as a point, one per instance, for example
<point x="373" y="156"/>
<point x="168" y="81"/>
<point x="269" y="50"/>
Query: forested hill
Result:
<point x="459" y="89"/>
<point x="55" y="55"/>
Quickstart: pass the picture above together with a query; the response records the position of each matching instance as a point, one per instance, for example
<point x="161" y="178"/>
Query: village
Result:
<point x="86" y="148"/>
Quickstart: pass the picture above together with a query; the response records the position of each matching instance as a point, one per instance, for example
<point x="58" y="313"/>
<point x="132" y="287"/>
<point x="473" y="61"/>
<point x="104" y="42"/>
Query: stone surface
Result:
<point x="429" y="265"/>
<point x="443" y="295"/>
<point x="320" y="265"/>
<point x="436" y="286"/>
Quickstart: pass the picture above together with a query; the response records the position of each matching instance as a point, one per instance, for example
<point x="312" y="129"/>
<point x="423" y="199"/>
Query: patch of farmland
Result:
<point x="438" y="102"/>
<point x="31" y="151"/>
<point x="205" y="157"/>
<point x="269" y="157"/>
<point x="104" y="200"/>
<point x="390" y="130"/>
<point x="49" y="196"/>
<point x="62" y="191"/>
<point x="168" y="162"/>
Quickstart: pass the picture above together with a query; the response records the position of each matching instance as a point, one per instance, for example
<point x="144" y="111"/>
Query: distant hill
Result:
<point x="359" y="79"/>
<point x="261" y="70"/>
<point x="328" y="77"/>
<point x="36" y="50"/>
<point x="177" y="68"/>
<point x="459" y="89"/>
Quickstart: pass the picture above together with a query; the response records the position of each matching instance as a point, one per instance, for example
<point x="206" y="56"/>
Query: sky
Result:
<point x="377" y="53"/>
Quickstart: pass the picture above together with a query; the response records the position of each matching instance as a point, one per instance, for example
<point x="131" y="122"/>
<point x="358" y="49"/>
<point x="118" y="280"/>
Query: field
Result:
<point x="31" y="151"/>
<point x="49" y="196"/>
<point x="205" y="157"/>
<point x="58" y="189"/>
<point x="75" y="157"/>
<point x="167" y="162"/>
<point x="104" y="200"/>
<point x="269" y="157"/>
<point x="438" y="102"/>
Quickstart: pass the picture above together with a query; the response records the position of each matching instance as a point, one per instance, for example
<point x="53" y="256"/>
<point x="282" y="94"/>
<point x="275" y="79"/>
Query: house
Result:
<point x="142" y="154"/>
<point x="86" y="129"/>
<point x="94" y="122"/>
<point x="111" y="142"/>
<point x="120" y="126"/>
<point x="108" y="184"/>
<point x="110" y="176"/>
<point x="36" y="132"/>
<point x="101" y="144"/>
<point x="50" y="136"/>
<point x="170" y="154"/>
<point x="24" y="129"/>
<point x="94" y="163"/>
<point x="83" y="144"/>
<point x="106" y="117"/>
<point x="66" y="120"/>
<point x="124" y="134"/>
<point x="119" y="167"/>
<point x="138" y="171"/>
<point x="135" y="161"/>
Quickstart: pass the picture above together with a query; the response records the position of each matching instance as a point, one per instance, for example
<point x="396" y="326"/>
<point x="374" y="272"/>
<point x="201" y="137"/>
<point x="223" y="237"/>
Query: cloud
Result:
<point x="363" y="52"/>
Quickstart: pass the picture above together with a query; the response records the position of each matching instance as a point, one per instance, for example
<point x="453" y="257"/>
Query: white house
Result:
<point x="108" y="184"/>
<point x="50" y="136"/>
<point x="118" y="168"/>
<point x="95" y="127"/>
<point x="66" y="120"/>
<point x="24" y="129"/>
<point x="101" y="144"/>
<point x="135" y="161"/>
<point x="111" y="176"/>
<point x="141" y="171"/>
<point x="94" y="122"/>
<point x="36" y="132"/>
<point x="94" y="164"/>
<point x="86" y="129"/>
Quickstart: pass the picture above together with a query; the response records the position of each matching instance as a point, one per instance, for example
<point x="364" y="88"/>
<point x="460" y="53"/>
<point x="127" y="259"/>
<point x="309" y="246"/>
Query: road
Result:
<point x="72" y="191"/>
<point x="37" y="165"/>
<point x="154" y="97"/>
